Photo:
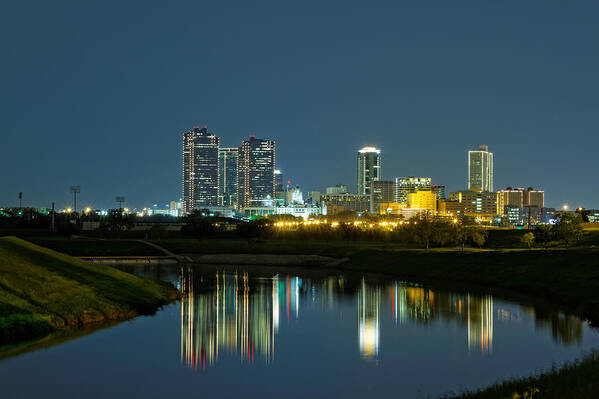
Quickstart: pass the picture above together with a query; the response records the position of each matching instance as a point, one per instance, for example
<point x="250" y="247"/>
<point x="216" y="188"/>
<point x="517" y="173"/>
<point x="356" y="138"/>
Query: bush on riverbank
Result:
<point x="42" y="290"/>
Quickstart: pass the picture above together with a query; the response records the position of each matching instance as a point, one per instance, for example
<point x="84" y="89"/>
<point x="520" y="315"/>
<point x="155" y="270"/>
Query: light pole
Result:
<point x="20" y="199"/>
<point x="52" y="217"/>
<point x="75" y="190"/>
<point x="120" y="200"/>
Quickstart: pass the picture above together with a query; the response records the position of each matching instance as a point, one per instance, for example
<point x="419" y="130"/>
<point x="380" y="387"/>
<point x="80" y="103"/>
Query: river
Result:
<point x="269" y="332"/>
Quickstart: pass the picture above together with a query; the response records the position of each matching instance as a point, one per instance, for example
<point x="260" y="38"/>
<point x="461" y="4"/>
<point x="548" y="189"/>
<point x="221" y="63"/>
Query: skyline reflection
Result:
<point x="239" y="315"/>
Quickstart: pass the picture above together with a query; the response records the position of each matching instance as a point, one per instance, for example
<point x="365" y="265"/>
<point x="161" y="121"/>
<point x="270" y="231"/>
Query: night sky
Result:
<point x="99" y="93"/>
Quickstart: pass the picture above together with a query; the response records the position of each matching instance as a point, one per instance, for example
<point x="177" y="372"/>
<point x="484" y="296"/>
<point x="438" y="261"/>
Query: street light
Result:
<point x="75" y="190"/>
<point x="565" y="207"/>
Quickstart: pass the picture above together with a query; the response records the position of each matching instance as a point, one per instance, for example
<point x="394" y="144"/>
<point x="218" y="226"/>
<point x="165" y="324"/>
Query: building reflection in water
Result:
<point x="227" y="315"/>
<point x="369" y="302"/>
<point x="480" y="323"/>
<point x="234" y="314"/>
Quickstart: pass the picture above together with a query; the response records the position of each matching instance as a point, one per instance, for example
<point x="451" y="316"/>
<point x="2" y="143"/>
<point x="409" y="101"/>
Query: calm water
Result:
<point x="298" y="334"/>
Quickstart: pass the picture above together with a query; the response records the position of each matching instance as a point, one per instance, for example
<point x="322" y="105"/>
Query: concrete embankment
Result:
<point x="117" y="260"/>
<point x="266" y="259"/>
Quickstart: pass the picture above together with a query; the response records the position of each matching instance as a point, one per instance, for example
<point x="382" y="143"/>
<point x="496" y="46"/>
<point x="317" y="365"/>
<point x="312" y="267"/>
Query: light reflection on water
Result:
<point x="305" y="333"/>
<point x="232" y="313"/>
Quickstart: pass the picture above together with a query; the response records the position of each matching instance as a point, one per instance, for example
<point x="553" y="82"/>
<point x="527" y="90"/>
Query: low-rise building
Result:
<point x="337" y="189"/>
<point x="528" y="215"/>
<point x="303" y="211"/>
<point x="450" y="208"/>
<point x="350" y="202"/>
<point x="425" y="200"/>
<point x="481" y="204"/>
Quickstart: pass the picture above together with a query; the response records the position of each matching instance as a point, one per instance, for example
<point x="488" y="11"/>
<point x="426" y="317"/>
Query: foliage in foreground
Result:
<point x="579" y="379"/>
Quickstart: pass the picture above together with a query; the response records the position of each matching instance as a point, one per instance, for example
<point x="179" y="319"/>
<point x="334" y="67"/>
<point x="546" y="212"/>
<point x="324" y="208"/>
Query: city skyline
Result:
<point x="212" y="163"/>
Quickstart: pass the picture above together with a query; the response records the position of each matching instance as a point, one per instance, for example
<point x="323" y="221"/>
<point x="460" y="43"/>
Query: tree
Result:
<point x="253" y="229"/>
<point x="461" y="235"/>
<point x="199" y="225"/>
<point x="443" y="232"/>
<point x="543" y="234"/>
<point x="464" y="234"/>
<point x="423" y="229"/>
<point x="569" y="228"/>
<point x="119" y="220"/>
<point x="528" y="239"/>
<point x="478" y="236"/>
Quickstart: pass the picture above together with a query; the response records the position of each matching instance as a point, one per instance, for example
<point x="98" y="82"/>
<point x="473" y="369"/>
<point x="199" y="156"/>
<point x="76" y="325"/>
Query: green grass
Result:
<point x="42" y="290"/>
<point x="578" y="379"/>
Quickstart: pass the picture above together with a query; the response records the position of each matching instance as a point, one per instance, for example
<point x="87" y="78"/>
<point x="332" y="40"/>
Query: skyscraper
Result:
<point x="480" y="169"/>
<point x="256" y="173"/>
<point x="200" y="169"/>
<point x="227" y="162"/>
<point x="369" y="169"/>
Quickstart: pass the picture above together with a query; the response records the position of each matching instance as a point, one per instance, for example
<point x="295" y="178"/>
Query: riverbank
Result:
<point x="42" y="291"/>
<point x="563" y="278"/>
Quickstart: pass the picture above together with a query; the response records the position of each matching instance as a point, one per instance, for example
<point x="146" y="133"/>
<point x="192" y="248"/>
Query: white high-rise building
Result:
<point x="369" y="169"/>
<point x="480" y="169"/>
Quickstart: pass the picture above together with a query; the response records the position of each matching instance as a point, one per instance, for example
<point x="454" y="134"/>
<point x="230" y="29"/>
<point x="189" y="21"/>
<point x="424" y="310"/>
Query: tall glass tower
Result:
<point x="369" y="169"/>
<point x="200" y="169"/>
<point x="227" y="163"/>
<point x="480" y="169"/>
<point x="256" y="173"/>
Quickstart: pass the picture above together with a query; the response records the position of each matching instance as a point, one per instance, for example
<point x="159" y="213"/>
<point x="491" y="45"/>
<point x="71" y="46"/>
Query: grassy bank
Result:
<point x="42" y="290"/>
<point x="579" y="379"/>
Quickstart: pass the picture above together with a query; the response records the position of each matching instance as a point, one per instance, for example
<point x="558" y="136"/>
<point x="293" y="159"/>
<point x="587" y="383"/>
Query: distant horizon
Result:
<point x="351" y="187"/>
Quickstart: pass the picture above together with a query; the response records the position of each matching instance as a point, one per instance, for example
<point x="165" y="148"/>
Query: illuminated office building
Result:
<point x="256" y="173"/>
<point x="425" y="200"/>
<point x="406" y="185"/>
<point x="534" y="197"/>
<point x="453" y="208"/>
<point x="439" y="190"/>
<point x="369" y="169"/>
<point x="382" y="191"/>
<point x="227" y="159"/>
<point x="519" y="198"/>
<point x="509" y="197"/>
<point x="476" y="203"/>
<point x="200" y="169"/>
<point x="480" y="169"/>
